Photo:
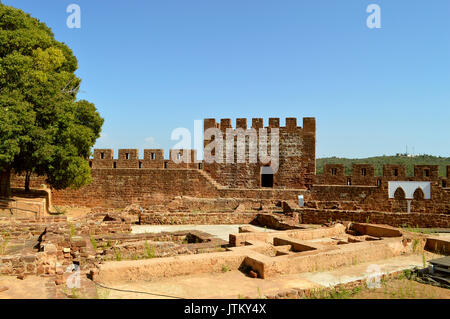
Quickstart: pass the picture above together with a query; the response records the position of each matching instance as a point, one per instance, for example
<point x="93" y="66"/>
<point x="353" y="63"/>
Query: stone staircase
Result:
<point x="211" y="180"/>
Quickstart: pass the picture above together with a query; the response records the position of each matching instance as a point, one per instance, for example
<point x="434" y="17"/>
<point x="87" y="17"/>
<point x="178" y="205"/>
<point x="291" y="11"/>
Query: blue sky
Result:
<point x="153" y="66"/>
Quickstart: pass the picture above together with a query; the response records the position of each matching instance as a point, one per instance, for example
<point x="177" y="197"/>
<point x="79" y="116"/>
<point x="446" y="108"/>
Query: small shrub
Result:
<point x="415" y="244"/>
<point x="260" y="296"/>
<point x="102" y="293"/>
<point x="93" y="242"/>
<point x="225" y="268"/>
<point x="4" y="244"/>
<point x="150" y="251"/>
<point x="117" y="255"/>
<point x="76" y="294"/>
<point x="72" y="230"/>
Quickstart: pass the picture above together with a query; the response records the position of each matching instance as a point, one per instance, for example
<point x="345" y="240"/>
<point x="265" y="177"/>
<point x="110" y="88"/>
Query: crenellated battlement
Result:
<point x="364" y="174"/>
<point x="131" y="178"/>
<point x="309" y="124"/>
<point x="153" y="158"/>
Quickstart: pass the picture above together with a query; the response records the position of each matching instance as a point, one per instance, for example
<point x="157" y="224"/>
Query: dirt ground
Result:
<point x="32" y="287"/>
<point x="228" y="285"/>
<point x="71" y="212"/>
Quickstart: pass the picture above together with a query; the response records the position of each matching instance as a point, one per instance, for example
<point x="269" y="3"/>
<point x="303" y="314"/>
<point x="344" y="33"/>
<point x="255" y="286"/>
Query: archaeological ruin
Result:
<point x="274" y="223"/>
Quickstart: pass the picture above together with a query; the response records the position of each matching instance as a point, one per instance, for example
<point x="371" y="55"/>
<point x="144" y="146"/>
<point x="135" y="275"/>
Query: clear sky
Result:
<point x="151" y="66"/>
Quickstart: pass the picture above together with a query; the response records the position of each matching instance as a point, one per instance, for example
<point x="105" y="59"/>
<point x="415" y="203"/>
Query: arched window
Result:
<point x="418" y="194"/>
<point x="399" y="193"/>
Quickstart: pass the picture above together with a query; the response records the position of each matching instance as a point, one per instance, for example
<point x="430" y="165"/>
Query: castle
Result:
<point x="128" y="192"/>
<point x="154" y="179"/>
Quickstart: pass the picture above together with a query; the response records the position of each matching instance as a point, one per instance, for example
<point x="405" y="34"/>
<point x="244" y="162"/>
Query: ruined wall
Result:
<point x="323" y="216"/>
<point x="117" y="188"/>
<point x="364" y="191"/>
<point x="364" y="174"/>
<point x="297" y="157"/>
<point x="210" y="218"/>
<point x="129" y="179"/>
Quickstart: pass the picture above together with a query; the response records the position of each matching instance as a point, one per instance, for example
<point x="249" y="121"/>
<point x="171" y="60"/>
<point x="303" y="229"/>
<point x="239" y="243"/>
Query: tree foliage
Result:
<point x="44" y="129"/>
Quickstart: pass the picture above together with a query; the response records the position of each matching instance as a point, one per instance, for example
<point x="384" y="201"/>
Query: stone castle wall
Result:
<point x="129" y="179"/>
<point x="297" y="157"/>
<point x="364" y="191"/>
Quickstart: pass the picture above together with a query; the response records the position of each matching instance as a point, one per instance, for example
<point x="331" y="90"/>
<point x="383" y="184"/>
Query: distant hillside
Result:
<point x="379" y="161"/>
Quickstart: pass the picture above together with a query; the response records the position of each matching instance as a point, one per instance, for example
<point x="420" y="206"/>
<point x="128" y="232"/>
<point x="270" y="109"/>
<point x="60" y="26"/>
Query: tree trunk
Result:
<point x="27" y="181"/>
<point x="5" y="183"/>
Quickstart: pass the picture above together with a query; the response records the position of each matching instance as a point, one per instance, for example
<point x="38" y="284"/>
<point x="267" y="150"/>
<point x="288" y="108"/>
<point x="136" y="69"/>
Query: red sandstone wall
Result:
<point x="376" y="198"/>
<point x="297" y="155"/>
<point x="118" y="188"/>
<point x="321" y="216"/>
<point x="334" y="174"/>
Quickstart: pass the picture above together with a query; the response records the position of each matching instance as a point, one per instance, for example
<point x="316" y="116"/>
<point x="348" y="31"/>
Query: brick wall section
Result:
<point x="320" y="216"/>
<point x="103" y="158"/>
<point x="117" y="188"/>
<point x="18" y="181"/>
<point x="369" y="192"/>
<point x="376" y="198"/>
<point x="142" y="246"/>
<point x="296" y="155"/>
<point x="153" y="158"/>
<point x="196" y="218"/>
<point x="333" y="174"/>
<point x="394" y="172"/>
<point x="128" y="158"/>
<point x="390" y="173"/>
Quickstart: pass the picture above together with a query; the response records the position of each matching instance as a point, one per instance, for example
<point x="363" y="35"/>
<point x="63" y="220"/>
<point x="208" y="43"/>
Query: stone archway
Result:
<point x="409" y="190"/>
<point x="400" y="194"/>
<point x="419" y="194"/>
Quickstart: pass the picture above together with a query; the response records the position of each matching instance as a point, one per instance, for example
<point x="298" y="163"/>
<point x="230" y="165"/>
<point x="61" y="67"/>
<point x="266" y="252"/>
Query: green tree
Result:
<point x="44" y="129"/>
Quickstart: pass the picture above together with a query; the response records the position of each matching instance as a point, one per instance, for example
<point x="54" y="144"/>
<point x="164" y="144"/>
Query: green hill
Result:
<point x="379" y="161"/>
